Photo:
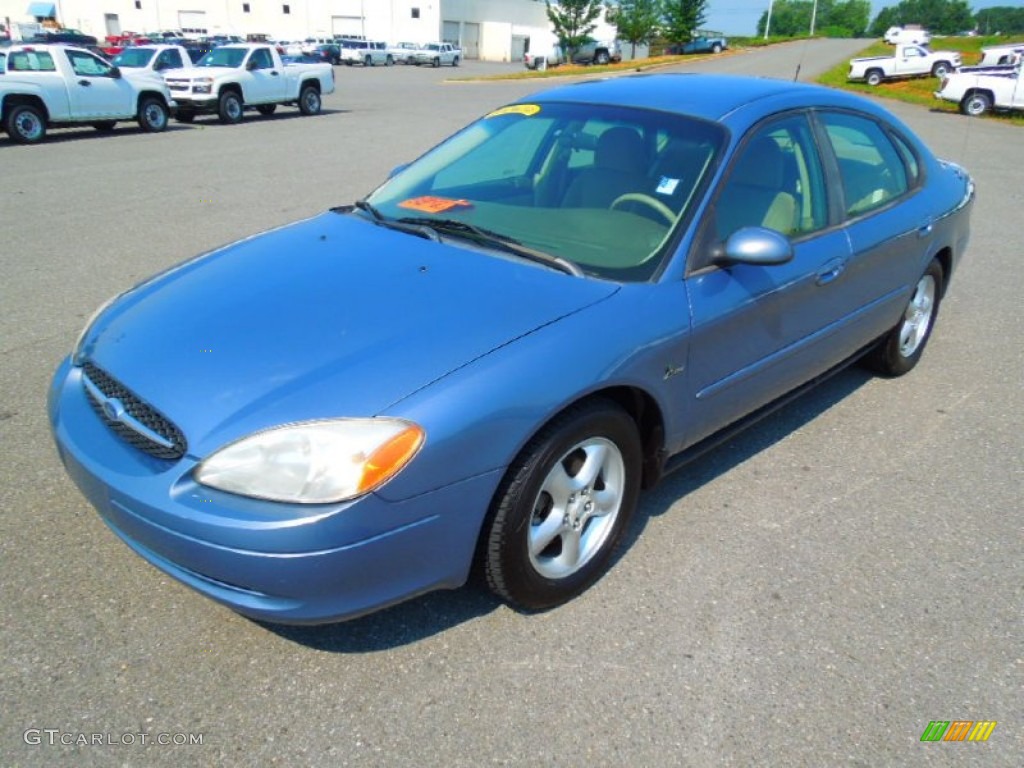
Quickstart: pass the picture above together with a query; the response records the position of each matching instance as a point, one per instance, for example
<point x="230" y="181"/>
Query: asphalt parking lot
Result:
<point x="812" y="594"/>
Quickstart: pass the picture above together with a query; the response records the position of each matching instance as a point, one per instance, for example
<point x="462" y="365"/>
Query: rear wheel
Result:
<point x="437" y="62"/>
<point x="601" y="58"/>
<point x="309" y="100"/>
<point x="153" y="115"/>
<point x="874" y="77"/>
<point x="716" y="48"/>
<point x="563" y="507"/>
<point x="368" y="61"/>
<point x="976" y="104"/>
<point x="389" y="60"/>
<point x="901" y="348"/>
<point x="26" y="124"/>
<point x="229" y="109"/>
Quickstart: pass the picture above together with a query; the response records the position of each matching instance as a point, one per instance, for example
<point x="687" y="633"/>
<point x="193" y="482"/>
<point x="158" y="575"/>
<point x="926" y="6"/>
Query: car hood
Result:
<point x="330" y="317"/>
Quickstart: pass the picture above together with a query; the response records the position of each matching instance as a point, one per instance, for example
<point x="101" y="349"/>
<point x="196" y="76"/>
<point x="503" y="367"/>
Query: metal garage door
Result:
<point x="471" y="40"/>
<point x="192" y="23"/>
<point x="450" y="32"/>
<point x="347" y="26"/>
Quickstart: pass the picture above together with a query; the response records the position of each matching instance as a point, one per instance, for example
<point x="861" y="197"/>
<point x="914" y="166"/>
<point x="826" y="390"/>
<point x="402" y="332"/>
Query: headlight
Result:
<point x="317" y="462"/>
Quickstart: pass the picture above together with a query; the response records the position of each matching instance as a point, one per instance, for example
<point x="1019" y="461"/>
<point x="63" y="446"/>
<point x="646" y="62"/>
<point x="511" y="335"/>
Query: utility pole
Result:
<point x="768" y="21"/>
<point x="814" y="16"/>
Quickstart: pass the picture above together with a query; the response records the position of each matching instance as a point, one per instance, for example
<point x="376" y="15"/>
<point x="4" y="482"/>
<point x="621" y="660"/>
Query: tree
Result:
<point x="636" y="21"/>
<point x="1003" y="20"/>
<point x="573" y="21"/>
<point x="682" y="18"/>
<point x="841" y="19"/>
<point x="940" y="17"/>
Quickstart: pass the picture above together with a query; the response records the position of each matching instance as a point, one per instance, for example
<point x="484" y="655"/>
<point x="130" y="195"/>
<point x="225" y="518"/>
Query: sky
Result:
<point x="739" y="17"/>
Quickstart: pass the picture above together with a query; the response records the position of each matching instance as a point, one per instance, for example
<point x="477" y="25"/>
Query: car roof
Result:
<point x="712" y="97"/>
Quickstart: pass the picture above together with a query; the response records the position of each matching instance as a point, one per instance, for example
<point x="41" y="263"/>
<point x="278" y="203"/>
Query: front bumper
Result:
<point x="274" y="562"/>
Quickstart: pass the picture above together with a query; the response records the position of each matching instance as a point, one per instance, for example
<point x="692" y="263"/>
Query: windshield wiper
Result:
<point x="427" y="233"/>
<point x="493" y="239"/>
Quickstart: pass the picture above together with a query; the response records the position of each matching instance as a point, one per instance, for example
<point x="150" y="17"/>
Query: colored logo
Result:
<point x="958" y="730"/>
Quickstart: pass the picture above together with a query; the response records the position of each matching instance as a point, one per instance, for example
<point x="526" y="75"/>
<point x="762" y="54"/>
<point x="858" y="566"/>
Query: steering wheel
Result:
<point x="650" y="202"/>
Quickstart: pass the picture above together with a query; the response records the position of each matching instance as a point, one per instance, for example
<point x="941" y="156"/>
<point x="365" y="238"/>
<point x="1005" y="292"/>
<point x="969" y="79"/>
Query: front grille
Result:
<point x="166" y="442"/>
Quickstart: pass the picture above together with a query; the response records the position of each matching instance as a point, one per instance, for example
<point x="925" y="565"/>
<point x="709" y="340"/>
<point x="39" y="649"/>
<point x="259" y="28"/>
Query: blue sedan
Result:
<point x="481" y="364"/>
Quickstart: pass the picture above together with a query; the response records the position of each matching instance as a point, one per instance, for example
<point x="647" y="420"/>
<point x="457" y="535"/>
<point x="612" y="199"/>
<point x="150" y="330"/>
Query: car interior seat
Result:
<point x="619" y="163"/>
<point x="756" y="194"/>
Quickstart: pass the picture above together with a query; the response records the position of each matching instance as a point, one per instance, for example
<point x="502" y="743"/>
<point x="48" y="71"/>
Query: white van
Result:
<point x="907" y="35"/>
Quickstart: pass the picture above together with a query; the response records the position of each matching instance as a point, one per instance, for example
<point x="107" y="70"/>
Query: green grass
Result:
<point x="919" y="90"/>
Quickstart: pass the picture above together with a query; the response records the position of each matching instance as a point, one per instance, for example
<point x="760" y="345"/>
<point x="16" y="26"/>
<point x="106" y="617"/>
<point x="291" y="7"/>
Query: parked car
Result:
<point x="1010" y="54"/>
<point x="913" y="35"/>
<point x="480" y="365"/>
<point x="544" y="57"/>
<point x="329" y="52"/>
<point x="436" y="54"/>
<point x="402" y="53"/>
<point x="234" y="77"/>
<point x="908" y="61"/>
<point x="598" y="52"/>
<point x="700" y="44"/>
<point x="978" y="90"/>
<point x="60" y="85"/>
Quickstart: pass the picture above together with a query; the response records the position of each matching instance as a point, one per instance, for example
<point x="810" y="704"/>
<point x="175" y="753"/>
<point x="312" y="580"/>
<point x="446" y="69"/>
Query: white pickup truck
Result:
<point x="60" y="85"/>
<point x="909" y="61"/>
<point x="231" y="78"/>
<point x="436" y="54"/>
<point x="980" y="90"/>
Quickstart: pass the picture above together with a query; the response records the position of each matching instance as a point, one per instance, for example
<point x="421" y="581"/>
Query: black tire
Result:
<point x="230" y="108"/>
<point x="455" y="61"/>
<point x="309" y="100"/>
<point x="436" y="62"/>
<point x="184" y="116"/>
<point x="539" y="552"/>
<point x="105" y="126"/>
<point x="153" y="115"/>
<point x="941" y="68"/>
<point x="368" y="61"/>
<point x="26" y="124"/>
<point x="267" y="109"/>
<point x="976" y="104"/>
<point x="601" y="57"/>
<point x="716" y="48"/>
<point x="874" y="77"/>
<point x="901" y="348"/>
<point x="389" y="61"/>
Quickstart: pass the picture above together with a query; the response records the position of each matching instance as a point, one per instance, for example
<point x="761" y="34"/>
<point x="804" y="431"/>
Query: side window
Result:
<point x="170" y="59"/>
<point x="775" y="182"/>
<point x="262" y="59"/>
<point x="31" y="61"/>
<point x="871" y="168"/>
<point x="87" y="65"/>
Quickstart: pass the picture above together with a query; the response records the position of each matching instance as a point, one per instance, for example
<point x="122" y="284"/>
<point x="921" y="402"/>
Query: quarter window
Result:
<point x="871" y="168"/>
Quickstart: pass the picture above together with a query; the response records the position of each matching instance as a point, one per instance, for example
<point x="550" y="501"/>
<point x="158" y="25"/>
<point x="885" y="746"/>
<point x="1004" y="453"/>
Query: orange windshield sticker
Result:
<point x="517" y="109"/>
<point x="431" y="204"/>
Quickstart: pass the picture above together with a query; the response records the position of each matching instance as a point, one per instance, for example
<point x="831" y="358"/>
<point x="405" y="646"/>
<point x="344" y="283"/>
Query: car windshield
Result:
<point x="223" y="57"/>
<point x="134" y="57"/>
<point x="602" y="187"/>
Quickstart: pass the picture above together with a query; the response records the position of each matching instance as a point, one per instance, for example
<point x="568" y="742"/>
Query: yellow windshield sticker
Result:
<point x="517" y="109"/>
<point x="432" y="204"/>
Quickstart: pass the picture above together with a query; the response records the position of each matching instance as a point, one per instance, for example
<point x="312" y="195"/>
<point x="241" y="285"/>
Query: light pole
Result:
<point x="814" y="16"/>
<point x="768" y="21"/>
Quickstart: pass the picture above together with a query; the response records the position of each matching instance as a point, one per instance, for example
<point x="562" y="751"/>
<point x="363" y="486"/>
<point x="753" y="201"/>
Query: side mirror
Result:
<point x="755" y="245"/>
<point x="250" y="64"/>
<point x="397" y="170"/>
<point x="115" y="72"/>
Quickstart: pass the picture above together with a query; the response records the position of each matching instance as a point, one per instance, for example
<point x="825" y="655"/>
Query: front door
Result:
<point x="94" y="91"/>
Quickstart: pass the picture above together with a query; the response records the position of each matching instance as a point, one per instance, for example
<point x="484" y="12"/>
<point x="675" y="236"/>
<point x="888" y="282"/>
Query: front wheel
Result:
<point x="563" y="507"/>
<point x="455" y="61"/>
<point x="184" y="116"/>
<point x="716" y="48"/>
<point x="309" y="100"/>
<point x="941" y="69"/>
<point x="601" y="58"/>
<point x="266" y="109"/>
<point x="976" y="104"/>
<point x="368" y="61"/>
<point x="153" y="115"/>
<point x="389" y="60"/>
<point x="26" y="124"/>
<point x="229" y="109"/>
<point x="901" y="348"/>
